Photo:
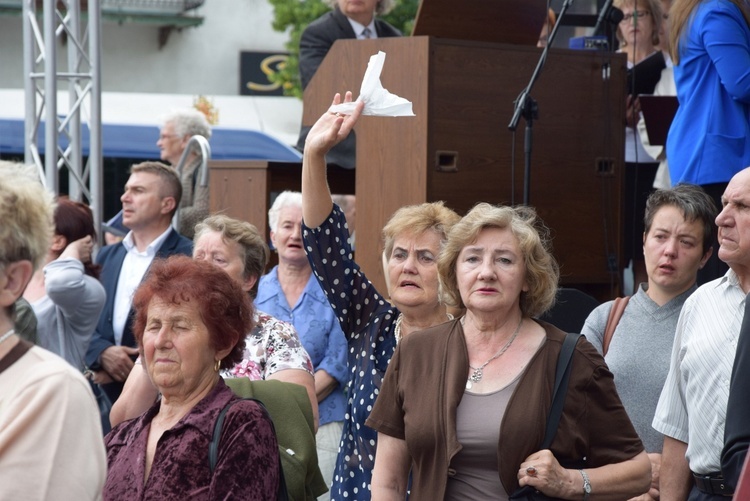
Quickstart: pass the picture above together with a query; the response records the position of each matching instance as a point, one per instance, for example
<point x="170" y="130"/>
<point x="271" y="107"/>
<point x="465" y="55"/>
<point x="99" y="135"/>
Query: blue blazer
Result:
<point x="709" y="140"/>
<point x="111" y="258"/>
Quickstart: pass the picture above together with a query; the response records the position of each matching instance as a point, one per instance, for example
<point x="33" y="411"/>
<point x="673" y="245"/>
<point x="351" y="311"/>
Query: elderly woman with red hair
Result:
<point x="190" y="322"/>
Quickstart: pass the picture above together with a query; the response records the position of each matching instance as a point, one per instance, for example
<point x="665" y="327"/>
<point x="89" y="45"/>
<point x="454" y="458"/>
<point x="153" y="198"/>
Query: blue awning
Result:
<point x="139" y="141"/>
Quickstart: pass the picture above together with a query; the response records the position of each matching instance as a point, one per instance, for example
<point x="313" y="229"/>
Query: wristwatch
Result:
<point x="586" y="485"/>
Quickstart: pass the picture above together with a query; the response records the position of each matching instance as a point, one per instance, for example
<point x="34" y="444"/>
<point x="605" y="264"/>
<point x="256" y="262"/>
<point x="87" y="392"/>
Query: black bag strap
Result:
<point x="562" y="375"/>
<point x="213" y="447"/>
<point x="19" y="350"/>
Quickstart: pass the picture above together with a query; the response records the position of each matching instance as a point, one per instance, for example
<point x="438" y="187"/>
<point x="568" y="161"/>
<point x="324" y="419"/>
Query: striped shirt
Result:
<point x="692" y="407"/>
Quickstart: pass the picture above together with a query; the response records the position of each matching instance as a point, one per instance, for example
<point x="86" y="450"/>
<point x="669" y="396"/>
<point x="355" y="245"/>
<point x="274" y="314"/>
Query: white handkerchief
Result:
<point x="378" y="101"/>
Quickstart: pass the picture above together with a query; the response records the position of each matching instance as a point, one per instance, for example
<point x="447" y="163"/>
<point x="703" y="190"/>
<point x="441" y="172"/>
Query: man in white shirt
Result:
<point x="692" y="409"/>
<point x="151" y="197"/>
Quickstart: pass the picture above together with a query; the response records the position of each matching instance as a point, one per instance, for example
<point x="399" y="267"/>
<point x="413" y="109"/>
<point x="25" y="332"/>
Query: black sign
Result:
<point x="255" y="67"/>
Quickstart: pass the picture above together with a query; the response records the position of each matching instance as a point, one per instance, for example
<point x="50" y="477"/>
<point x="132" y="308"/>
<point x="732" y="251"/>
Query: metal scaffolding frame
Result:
<point x="62" y="21"/>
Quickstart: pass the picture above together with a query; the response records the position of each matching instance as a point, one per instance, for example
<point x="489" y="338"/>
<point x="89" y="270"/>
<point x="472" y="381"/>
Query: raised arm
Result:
<point x="328" y="131"/>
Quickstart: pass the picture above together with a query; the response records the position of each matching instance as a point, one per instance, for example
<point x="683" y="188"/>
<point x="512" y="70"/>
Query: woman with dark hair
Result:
<point x="65" y="294"/>
<point x="190" y="322"/>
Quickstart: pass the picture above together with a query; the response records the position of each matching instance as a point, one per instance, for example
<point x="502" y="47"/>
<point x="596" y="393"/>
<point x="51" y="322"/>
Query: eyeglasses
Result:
<point x="635" y="14"/>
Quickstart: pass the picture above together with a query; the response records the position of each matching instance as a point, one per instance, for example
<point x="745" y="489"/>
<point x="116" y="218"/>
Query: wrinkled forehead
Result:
<point x="418" y="240"/>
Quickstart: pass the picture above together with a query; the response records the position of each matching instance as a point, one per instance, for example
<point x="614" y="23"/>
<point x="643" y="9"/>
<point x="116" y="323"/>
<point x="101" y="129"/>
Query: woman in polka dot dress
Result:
<point x="373" y="325"/>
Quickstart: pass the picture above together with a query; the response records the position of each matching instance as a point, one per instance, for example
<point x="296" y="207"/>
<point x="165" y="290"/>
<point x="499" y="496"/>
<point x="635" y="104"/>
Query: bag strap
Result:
<point x="213" y="447"/>
<point x="562" y="375"/>
<point x="19" y="350"/>
<point x="615" y="313"/>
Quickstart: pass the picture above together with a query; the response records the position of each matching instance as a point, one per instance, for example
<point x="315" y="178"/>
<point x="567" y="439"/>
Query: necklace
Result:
<point x="397" y="327"/>
<point x="7" y="335"/>
<point x="478" y="373"/>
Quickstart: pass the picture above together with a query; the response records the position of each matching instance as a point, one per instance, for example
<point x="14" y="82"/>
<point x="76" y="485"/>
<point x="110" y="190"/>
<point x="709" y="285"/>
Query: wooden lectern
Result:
<point x="458" y="147"/>
<point x="243" y="188"/>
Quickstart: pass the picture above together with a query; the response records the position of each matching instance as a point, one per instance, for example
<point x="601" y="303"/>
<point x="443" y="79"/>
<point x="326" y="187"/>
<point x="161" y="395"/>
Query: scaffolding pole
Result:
<point x="64" y="130"/>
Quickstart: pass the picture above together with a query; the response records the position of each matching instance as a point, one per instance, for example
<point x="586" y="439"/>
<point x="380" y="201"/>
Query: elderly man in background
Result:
<point x="50" y="437"/>
<point x="692" y="408"/>
<point x="177" y="129"/>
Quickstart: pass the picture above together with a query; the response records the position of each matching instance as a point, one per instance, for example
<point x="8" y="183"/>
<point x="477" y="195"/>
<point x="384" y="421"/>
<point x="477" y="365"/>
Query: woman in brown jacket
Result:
<point x="464" y="404"/>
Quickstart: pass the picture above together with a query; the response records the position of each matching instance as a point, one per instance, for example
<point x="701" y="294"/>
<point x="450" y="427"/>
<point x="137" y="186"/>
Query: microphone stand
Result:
<point x="526" y="105"/>
<point x="603" y="15"/>
<point x="609" y="18"/>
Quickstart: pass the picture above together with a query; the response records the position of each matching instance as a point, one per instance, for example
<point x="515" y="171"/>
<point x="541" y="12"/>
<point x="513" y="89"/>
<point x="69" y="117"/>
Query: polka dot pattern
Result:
<point x="367" y="321"/>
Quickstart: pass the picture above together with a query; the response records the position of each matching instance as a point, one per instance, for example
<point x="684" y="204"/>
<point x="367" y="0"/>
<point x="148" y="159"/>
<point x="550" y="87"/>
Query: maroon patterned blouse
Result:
<point x="247" y="466"/>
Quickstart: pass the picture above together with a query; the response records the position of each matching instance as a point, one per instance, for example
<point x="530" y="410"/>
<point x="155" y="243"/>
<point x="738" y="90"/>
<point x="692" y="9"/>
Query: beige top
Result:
<point x="51" y="444"/>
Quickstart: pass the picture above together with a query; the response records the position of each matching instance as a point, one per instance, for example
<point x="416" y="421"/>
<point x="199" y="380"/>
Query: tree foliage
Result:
<point x="293" y="16"/>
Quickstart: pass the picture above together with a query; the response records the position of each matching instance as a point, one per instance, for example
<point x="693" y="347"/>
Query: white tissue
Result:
<point x="378" y="101"/>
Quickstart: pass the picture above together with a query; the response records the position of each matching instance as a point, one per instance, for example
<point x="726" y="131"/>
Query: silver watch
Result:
<point x="586" y="485"/>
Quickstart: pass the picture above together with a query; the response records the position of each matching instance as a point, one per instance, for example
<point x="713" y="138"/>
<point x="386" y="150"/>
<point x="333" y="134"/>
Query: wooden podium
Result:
<point x="458" y="147"/>
<point x="243" y="188"/>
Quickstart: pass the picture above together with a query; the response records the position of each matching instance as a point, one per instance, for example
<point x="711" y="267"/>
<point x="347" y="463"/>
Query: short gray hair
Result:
<point x="285" y="199"/>
<point x="188" y="122"/>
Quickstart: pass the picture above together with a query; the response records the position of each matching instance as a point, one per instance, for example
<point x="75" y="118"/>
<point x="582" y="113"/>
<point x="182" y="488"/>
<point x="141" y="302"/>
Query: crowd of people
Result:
<point x="120" y="367"/>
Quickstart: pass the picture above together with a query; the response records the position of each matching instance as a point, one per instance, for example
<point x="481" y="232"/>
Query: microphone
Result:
<point x="602" y="16"/>
<point x="615" y="15"/>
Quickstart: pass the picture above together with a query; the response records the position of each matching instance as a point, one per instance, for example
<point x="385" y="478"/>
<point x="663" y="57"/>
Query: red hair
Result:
<point x="74" y="220"/>
<point x="224" y="307"/>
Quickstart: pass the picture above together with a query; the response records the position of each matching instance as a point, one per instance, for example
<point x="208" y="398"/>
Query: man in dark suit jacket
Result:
<point x="347" y="20"/>
<point x="151" y="197"/>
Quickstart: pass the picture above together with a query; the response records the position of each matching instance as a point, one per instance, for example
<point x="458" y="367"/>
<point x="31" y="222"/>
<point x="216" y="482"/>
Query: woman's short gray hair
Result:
<point x="253" y="248"/>
<point x="542" y="272"/>
<point x="285" y="199"/>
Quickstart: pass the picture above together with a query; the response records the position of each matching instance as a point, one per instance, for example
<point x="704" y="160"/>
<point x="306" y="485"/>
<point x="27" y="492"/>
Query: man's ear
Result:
<point x="167" y="205"/>
<point x="13" y="280"/>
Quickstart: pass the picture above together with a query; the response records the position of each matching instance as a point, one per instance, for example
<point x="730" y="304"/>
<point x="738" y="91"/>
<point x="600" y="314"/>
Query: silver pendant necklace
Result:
<point x="478" y="372"/>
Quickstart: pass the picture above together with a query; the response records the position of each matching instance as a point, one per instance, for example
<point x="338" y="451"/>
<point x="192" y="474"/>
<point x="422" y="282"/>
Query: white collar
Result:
<point x="129" y="243"/>
<point x="359" y="28"/>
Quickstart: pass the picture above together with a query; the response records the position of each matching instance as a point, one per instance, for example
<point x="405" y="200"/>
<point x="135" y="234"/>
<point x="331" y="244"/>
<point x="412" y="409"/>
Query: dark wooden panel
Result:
<point x="243" y="189"/>
<point x="463" y="95"/>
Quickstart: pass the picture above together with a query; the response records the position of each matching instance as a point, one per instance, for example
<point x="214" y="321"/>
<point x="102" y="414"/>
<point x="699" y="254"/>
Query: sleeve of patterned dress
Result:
<point x="283" y="347"/>
<point x="353" y="297"/>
